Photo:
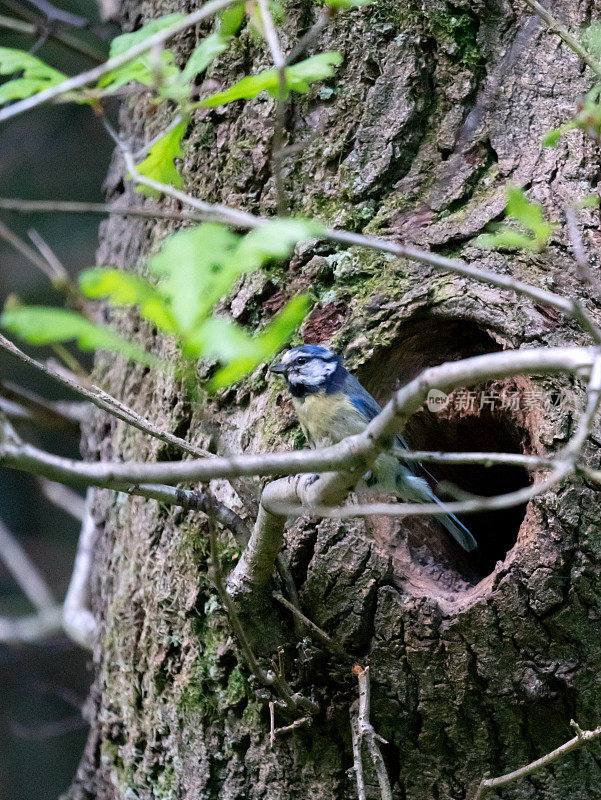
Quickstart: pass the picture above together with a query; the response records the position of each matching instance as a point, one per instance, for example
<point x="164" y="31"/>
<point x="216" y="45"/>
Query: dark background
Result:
<point x="51" y="152"/>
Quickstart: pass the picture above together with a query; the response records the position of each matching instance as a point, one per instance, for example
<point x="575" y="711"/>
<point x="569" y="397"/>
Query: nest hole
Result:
<point x="491" y="418"/>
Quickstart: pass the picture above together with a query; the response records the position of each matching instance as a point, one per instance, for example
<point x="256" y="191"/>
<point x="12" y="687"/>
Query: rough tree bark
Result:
<point x="479" y="663"/>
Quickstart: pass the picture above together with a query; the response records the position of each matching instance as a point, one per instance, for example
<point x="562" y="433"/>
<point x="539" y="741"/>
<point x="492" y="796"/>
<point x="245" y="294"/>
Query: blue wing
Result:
<point x="369" y="408"/>
<point x="365" y="403"/>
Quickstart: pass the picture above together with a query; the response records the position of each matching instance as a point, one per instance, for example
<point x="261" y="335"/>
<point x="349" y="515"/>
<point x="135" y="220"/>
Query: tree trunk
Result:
<point x="479" y="662"/>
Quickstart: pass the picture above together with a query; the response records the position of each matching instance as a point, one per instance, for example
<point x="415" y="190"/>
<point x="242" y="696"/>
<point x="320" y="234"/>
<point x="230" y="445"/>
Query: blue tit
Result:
<point x="331" y="404"/>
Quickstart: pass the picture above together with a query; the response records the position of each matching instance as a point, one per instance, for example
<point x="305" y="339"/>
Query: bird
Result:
<point x="331" y="404"/>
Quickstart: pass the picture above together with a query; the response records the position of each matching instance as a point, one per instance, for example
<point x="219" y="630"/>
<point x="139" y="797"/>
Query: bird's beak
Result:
<point x="278" y="368"/>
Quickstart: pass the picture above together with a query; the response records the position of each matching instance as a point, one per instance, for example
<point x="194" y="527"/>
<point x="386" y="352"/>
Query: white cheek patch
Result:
<point x="317" y="371"/>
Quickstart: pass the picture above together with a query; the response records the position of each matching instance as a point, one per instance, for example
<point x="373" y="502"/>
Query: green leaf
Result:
<point x="316" y="68"/>
<point x="121" y="44"/>
<point x="142" y="68"/>
<point x="552" y="138"/>
<point x="283" y="325"/>
<point x="42" y="325"/>
<point x="180" y="86"/>
<point x="243" y="353"/>
<point x="124" y="289"/>
<point x="507" y="239"/>
<point x="36" y="75"/>
<point x="347" y="3"/>
<point x="158" y="164"/>
<point x="202" y="56"/>
<point x="225" y="340"/>
<point x="298" y="78"/>
<point x="199" y="266"/>
<point x="276" y="238"/>
<point x="231" y="19"/>
<point x="192" y="264"/>
<point x="529" y="214"/>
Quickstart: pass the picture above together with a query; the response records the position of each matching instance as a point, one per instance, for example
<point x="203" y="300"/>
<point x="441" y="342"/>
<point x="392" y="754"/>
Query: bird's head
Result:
<point x="310" y="369"/>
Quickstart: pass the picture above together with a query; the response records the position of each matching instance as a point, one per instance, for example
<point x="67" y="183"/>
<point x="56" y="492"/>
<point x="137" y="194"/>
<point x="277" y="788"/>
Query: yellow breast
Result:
<point x="328" y="418"/>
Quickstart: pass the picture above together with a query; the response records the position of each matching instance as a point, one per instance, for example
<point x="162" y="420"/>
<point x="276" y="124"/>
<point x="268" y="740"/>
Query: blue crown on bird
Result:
<point x="310" y="369"/>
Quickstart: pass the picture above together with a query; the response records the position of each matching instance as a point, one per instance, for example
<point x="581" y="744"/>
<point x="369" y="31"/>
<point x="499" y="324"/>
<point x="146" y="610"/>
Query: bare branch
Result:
<point x="104" y="401"/>
<point x="78" y="621"/>
<point x="59" y="273"/>
<point x="24" y="571"/>
<point x="18" y="25"/>
<point x="488" y="785"/>
<point x="353" y="453"/>
<point x="484" y="459"/>
<point x="196" y="500"/>
<point x="574" y="447"/>
<point x="402" y="510"/>
<point x="555" y="26"/>
<point x="243" y="219"/>
<point x="25" y="250"/>
<point x="298" y="723"/>
<point x="363" y="732"/>
<point x="357" y="757"/>
<point x="63" y="497"/>
<point x="31" y="629"/>
<point x="76" y="207"/>
<point x="59" y="414"/>
<point x="84" y="78"/>
<point x="314" y="630"/>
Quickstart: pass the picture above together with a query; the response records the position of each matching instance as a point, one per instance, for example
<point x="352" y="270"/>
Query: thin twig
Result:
<point x="286" y="576"/>
<point x="314" y="630"/>
<point x="271" y="724"/>
<point x="298" y="723"/>
<point x="31" y="629"/>
<point x="59" y="273"/>
<point x="105" y="402"/>
<point x="583" y="267"/>
<point x="474" y="506"/>
<point x="24" y="571"/>
<point x="277" y="142"/>
<point x="488" y="785"/>
<point x="365" y="733"/>
<point x="50" y="413"/>
<point x="78" y="621"/>
<point x="25" y="250"/>
<point x="572" y="450"/>
<point x="325" y="15"/>
<point x="555" y="26"/>
<point x="64" y="498"/>
<point x="77" y="207"/>
<point x="84" y="78"/>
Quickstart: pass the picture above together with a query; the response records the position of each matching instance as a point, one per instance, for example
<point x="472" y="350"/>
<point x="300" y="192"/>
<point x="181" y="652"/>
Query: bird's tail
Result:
<point x="417" y="489"/>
